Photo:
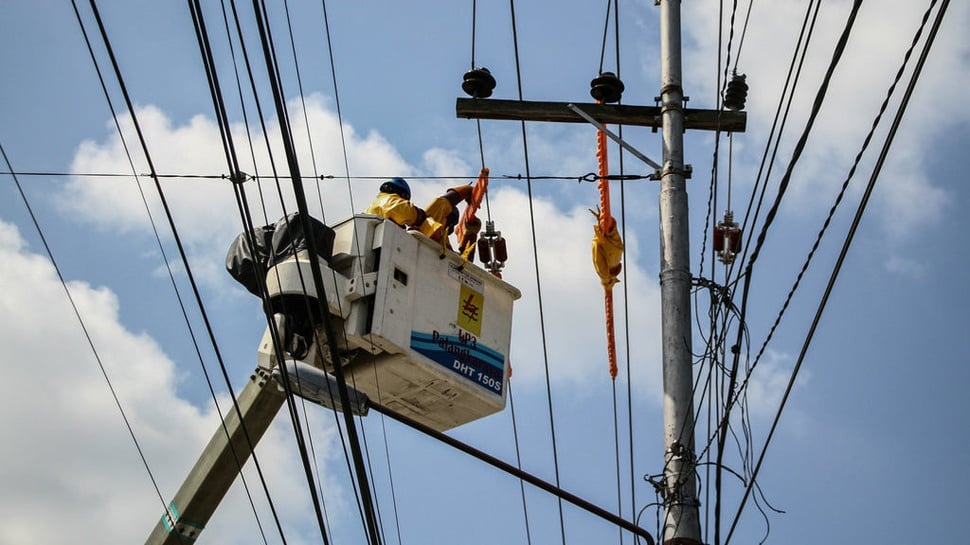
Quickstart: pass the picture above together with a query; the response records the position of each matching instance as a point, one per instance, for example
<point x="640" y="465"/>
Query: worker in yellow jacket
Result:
<point x="394" y="203"/>
<point x="442" y="213"/>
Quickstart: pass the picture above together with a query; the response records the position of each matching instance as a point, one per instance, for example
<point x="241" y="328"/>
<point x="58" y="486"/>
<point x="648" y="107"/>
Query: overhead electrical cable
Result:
<point x="288" y="144"/>
<point x="778" y="124"/>
<point x="847" y="243"/>
<point x="518" y="465"/>
<point x="718" y="319"/>
<point x="708" y="221"/>
<point x="170" y="218"/>
<point x="247" y="220"/>
<point x="260" y="115"/>
<point x="243" y="205"/>
<point x="512" y="470"/>
<point x="241" y="201"/>
<point x="792" y="79"/>
<point x="845" y="186"/>
<point x="275" y="177"/>
<point x="769" y="219"/>
<point x="874" y="176"/>
<point x="799" y="53"/>
<point x="488" y="216"/>
<point x="117" y="175"/>
<point x="215" y="90"/>
<point x="309" y="137"/>
<point x="171" y="274"/>
<point x="589" y="177"/>
<point x="355" y="242"/>
<point x="721" y="87"/>
<point x="535" y="250"/>
<point x="306" y="118"/>
<point x="730" y="42"/>
<point x="303" y="444"/>
<point x="744" y="32"/>
<point x="336" y="100"/>
<point x="315" y="492"/>
<point x="244" y="111"/>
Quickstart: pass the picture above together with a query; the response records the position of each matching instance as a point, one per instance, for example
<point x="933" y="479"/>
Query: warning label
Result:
<point x="470" y="308"/>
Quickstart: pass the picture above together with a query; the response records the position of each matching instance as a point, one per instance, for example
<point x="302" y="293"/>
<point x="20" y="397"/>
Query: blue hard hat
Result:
<point x="398" y="186"/>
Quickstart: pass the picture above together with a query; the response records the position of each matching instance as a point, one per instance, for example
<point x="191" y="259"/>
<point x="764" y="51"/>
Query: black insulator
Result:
<point x="736" y="93"/>
<point x="478" y="83"/>
<point x="484" y="251"/>
<point x="501" y="251"/>
<point x="606" y="88"/>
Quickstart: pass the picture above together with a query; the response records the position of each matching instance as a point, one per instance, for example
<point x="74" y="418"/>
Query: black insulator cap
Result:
<point x="736" y="93"/>
<point x="478" y="83"/>
<point x="606" y="88"/>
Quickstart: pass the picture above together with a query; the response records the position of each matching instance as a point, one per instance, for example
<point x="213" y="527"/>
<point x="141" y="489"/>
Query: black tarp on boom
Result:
<point x="274" y="243"/>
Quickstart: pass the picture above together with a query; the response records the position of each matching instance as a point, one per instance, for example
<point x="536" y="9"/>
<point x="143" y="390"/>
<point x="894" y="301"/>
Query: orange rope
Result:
<point x="607" y="224"/>
<point x="610" y="336"/>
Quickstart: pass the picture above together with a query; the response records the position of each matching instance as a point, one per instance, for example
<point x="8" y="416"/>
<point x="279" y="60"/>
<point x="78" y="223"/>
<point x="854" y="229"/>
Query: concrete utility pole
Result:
<point x="681" y="522"/>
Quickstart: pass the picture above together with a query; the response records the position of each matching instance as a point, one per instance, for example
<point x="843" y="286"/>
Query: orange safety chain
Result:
<point x="606" y="236"/>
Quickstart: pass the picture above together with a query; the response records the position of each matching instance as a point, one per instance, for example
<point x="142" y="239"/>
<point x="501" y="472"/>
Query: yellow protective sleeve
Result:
<point x="607" y="253"/>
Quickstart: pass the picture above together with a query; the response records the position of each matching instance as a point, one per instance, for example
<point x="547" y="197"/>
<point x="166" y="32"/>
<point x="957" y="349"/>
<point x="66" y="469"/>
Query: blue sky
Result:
<point x="869" y="447"/>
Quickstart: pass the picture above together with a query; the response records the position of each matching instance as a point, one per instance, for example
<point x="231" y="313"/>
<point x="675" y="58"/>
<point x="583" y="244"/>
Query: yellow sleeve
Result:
<point x="607" y="252"/>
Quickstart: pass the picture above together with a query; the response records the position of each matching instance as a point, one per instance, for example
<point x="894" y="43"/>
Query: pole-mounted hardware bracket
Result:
<point x="618" y="140"/>
<point x="669" y="169"/>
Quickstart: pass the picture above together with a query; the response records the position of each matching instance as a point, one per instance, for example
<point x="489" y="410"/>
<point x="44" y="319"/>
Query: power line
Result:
<point x="171" y="221"/>
<point x="171" y="275"/>
<point x="218" y="101"/>
<point x="286" y="135"/>
<point x="769" y="218"/>
<point x="243" y="205"/>
<point x="488" y="214"/>
<point x="512" y="470"/>
<point x="778" y="124"/>
<point x="535" y="249"/>
<point x="901" y="109"/>
<point x="845" y="185"/>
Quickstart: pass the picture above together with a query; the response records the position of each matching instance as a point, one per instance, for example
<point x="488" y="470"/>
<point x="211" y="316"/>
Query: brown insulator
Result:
<point x="478" y="83"/>
<point x="606" y="88"/>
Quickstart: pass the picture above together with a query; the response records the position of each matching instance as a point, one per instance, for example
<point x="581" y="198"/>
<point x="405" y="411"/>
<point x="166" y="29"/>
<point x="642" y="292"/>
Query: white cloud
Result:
<point x="906" y="267"/>
<point x="67" y="451"/>
<point x="768" y="383"/>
